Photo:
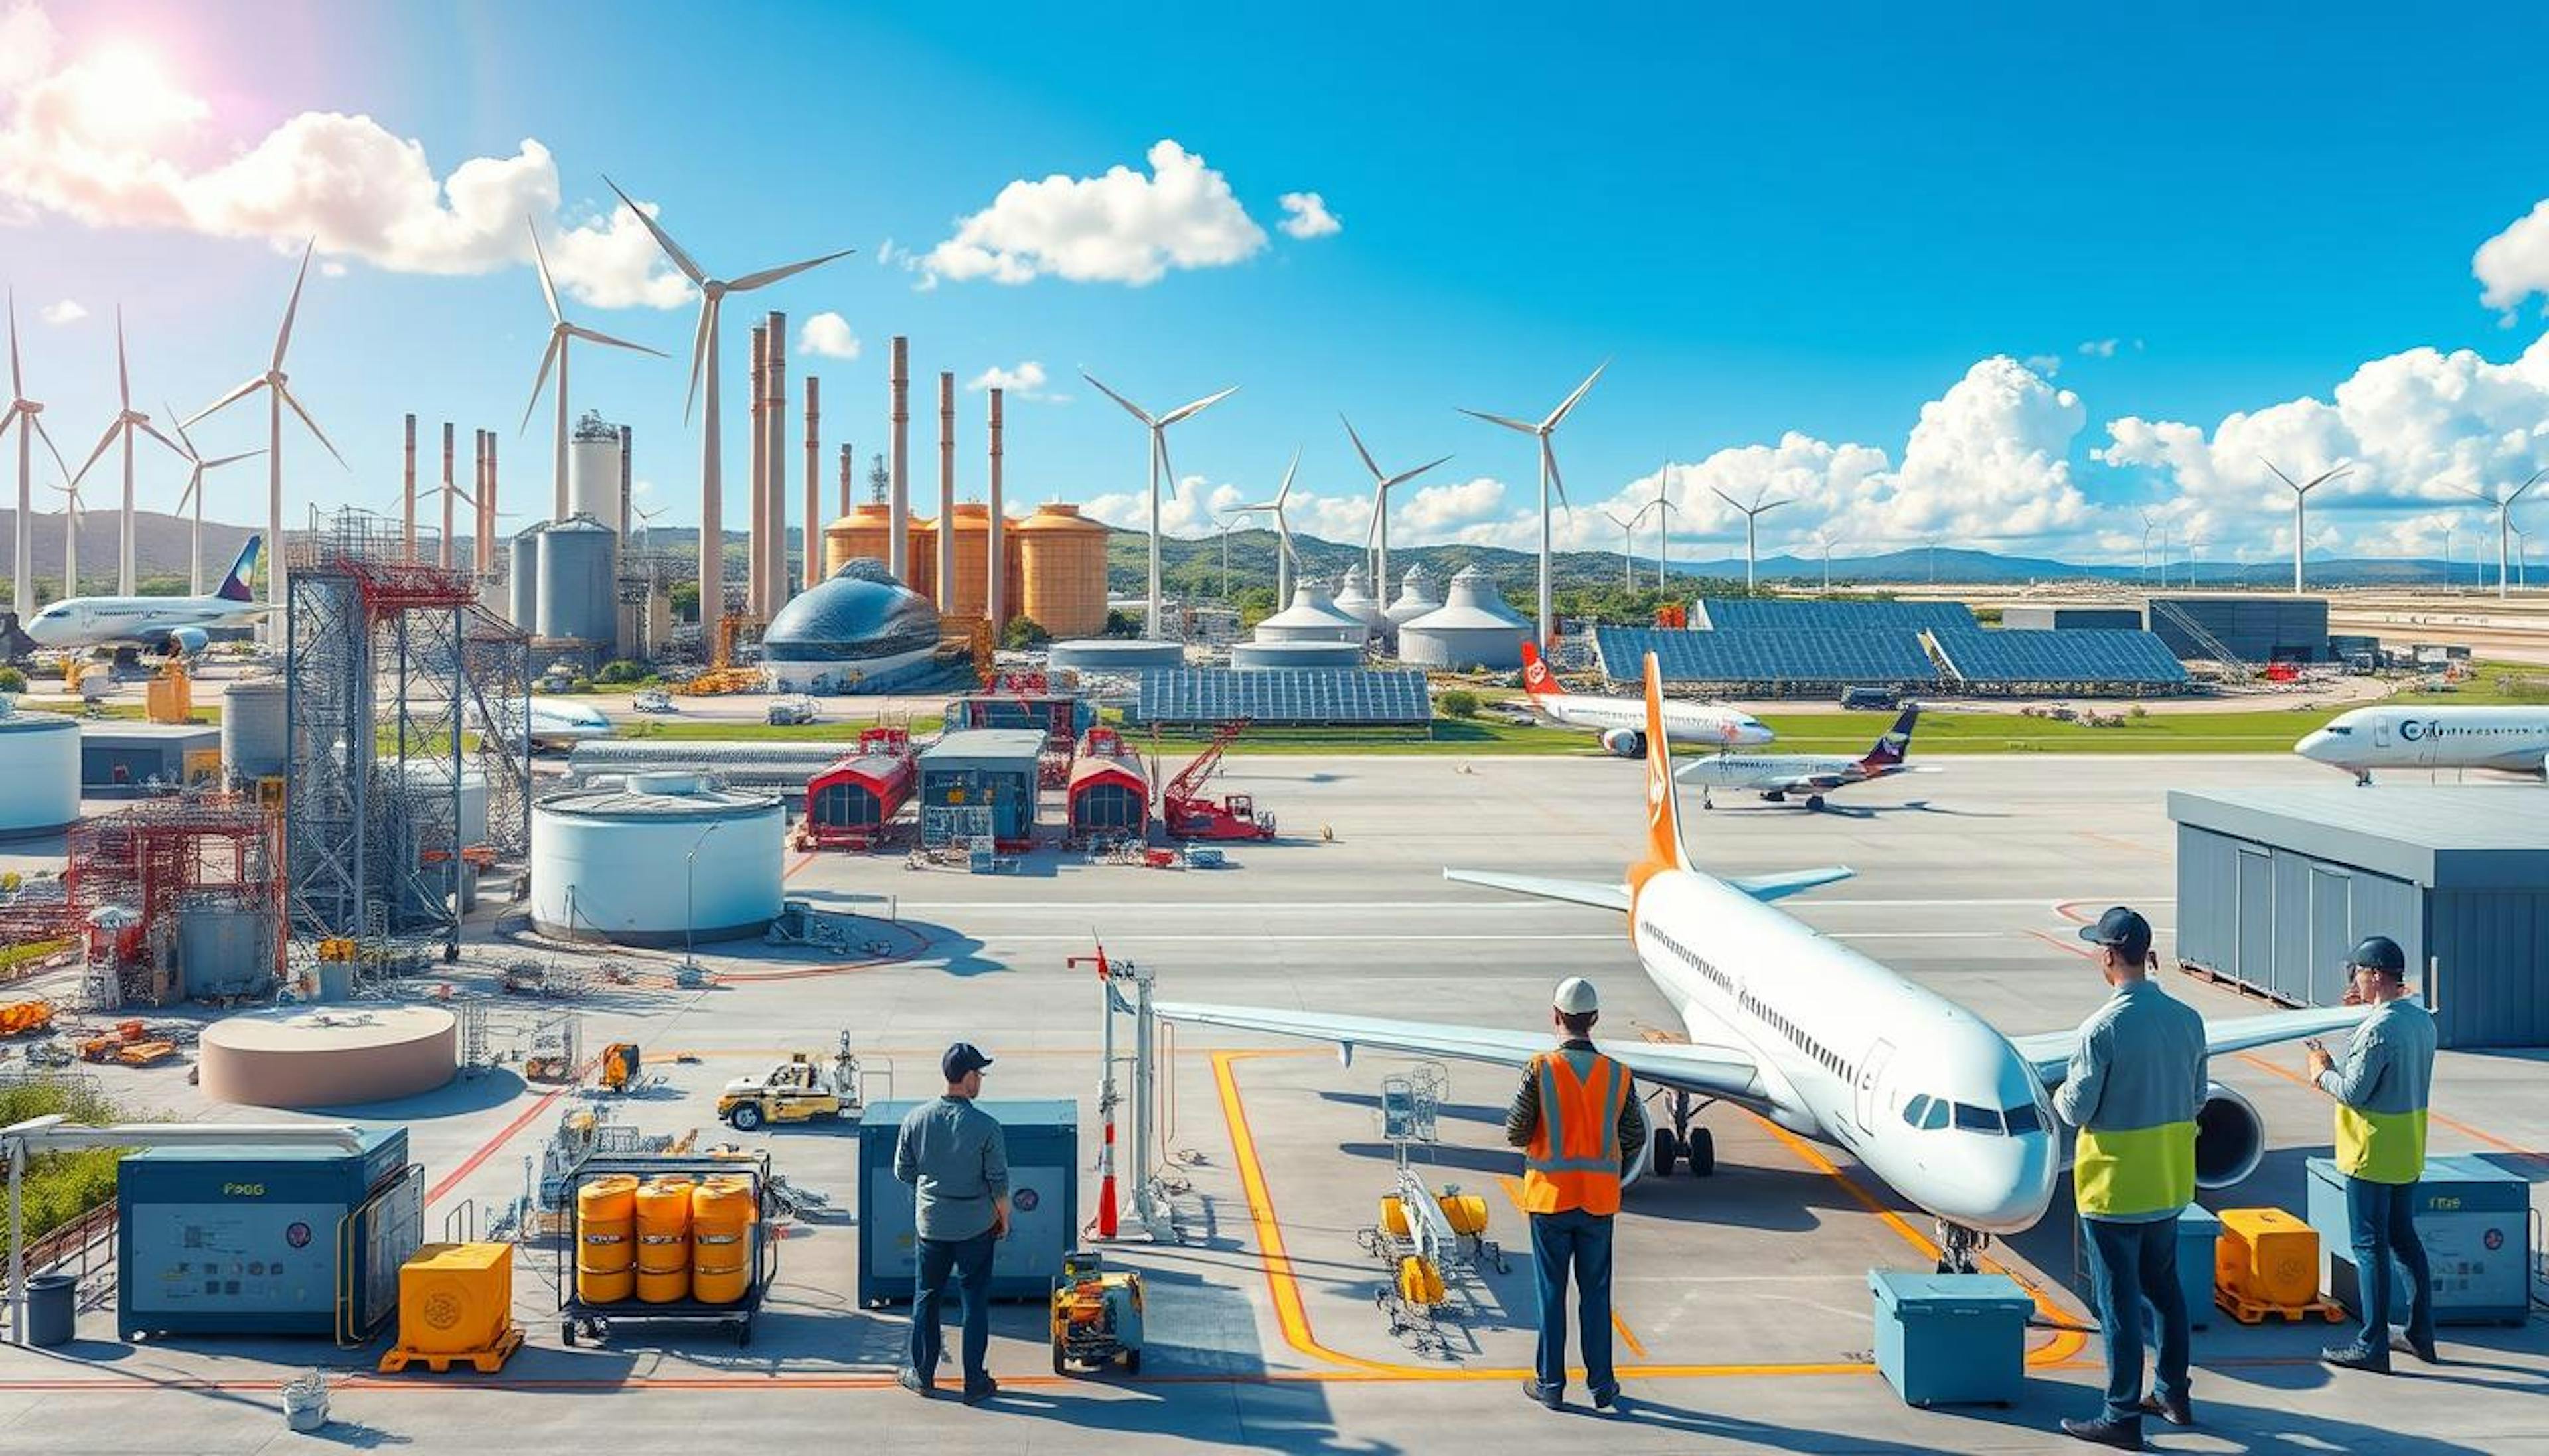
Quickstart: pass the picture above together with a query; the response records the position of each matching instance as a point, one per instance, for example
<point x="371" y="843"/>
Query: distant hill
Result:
<point x="159" y="545"/>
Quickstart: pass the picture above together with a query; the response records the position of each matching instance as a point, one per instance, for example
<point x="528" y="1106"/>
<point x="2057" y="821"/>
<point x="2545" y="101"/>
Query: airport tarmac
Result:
<point x="1741" y="1298"/>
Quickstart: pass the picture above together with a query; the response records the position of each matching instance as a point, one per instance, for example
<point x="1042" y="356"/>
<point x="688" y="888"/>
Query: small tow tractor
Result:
<point x="798" y="1090"/>
<point x="1096" y="1314"/>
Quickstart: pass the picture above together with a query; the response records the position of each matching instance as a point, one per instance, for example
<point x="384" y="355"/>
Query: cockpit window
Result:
<point x="1935" y="1118"/>
<point x="2341" y="730"/>
<point x="2023" y="1120"/>
<point x="1972" y="1119"/>
<point x="1914" y="1110"/>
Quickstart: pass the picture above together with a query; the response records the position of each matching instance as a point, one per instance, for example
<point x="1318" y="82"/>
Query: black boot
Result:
<point x="2123" y="1435"/>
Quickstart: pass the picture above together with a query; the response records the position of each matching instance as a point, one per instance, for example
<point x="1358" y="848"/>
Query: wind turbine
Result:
<point x="1549" y="479"/>
<point x="2150" y="523"/>
<point x="1627" y="546"/>
<point x="557" y="353"/>
<point x="1752" y="515"/>
<point x="1283" y="558"/>
<point x="1158" y="428"/>
<point x="194" y="495"/>
<point x="1381" y="485"/>
<point x="71" y="513"/>
<point x="2300" y="493"/>
<point x="1665" y="512"/>
<point x="2503" y="522"/>
<point x="278" y="393"/>
<point x="703" y="361"/>
<point x="127" y="420"/>
<point x="1827" y="540"/>
<point x="21" y="574"/>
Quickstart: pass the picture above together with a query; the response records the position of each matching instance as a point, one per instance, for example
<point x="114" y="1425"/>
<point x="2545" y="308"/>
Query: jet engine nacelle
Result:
<point x="1627" y="742"/>
<point x="186" y="643"/>
<point x="2230" y="1138"/>
<point x="1637" y="1166"/>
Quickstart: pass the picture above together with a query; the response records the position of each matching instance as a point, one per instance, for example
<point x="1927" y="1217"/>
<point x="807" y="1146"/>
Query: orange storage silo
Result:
<point x="925" y="556"/>
<point x="1062" y="570"/>
<point x="860" y="533"/>
<point x="972" y="527"/>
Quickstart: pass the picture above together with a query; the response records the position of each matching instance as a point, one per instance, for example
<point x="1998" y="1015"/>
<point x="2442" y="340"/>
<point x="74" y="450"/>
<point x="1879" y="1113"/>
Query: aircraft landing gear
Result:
<point x="1683" y="1142"/>
<point x="1705" y="801"/>
<point x="1813" y="803"/>
<point x="1958" y="1248"/>
<point x="1775" y="797"/>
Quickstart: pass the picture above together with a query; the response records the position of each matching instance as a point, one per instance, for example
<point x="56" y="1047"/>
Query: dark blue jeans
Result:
<point x="2128" y="1264"/>
<point x="969" y="1262"/>
<point x="2383" y="1216"/>
<point x="1582" y="1241"/>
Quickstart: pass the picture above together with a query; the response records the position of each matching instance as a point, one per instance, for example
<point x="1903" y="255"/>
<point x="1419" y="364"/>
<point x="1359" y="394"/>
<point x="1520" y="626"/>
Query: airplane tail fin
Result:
<point x="1537" y="678"/>
<point x="1663" y="813"/>
<point x="234" y="587"/>
<point x="1895" y="745"/>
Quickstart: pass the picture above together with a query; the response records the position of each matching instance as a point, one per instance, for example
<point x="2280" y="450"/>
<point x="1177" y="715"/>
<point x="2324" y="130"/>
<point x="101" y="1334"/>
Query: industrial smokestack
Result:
<point x="897" y="528"/>
<point x="946" y="493"/>
<point x="627" y="519"/>
<point x="477" y="501"/>
<point x="775" y="545"/>
<point x="813" y="568"/>
<point x="847" y="458"/>
<point x="487" y="514"/>
<point x="407" y="516"/>
<point x="755" y="554"/>
<point x="447" y="482"/>
<point x="994" y="602"/>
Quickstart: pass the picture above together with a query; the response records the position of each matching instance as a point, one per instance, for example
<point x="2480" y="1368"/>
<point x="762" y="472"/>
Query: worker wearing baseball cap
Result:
<point x="957" y="1161"/>
<point x="2381" y="1092"/>
<point x="1576" y="1121"/>
<point x="2137" y="1077"/>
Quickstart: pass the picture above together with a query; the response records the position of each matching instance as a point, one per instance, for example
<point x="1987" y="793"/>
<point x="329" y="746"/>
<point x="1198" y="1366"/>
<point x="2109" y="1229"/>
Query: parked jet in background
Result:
<point x="553" y="723"/>
<point x="1777" y="776"/>
<point x="1622" y="720"/>
<point x="1816" y="1037"/>
<point x="162" y="627"/>
<point x="2508" y="739"/>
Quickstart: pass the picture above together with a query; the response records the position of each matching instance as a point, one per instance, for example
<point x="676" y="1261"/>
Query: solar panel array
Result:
<point x="1780" y="614"/>
<point x="1279" y="696"/>
<point x="1800" y="656"/>
<point x="2061" y="656"/>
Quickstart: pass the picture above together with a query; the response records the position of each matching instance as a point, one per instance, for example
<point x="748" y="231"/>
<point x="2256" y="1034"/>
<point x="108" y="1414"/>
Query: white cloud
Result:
<point x="2104" y="348"/>
<point x="107" y="138"/>
<point x="1026" y="382"/>
<point x="2513" y="265"/>
<point x="68" y="310"/>
<point x="1306" y="215"/>
<point x="1186" y="509"/>
<point x="1119" y="228"/>
<point x="1446" y="507"/>
<point x="2048" y="365"/>
<point x="827" y="335"/>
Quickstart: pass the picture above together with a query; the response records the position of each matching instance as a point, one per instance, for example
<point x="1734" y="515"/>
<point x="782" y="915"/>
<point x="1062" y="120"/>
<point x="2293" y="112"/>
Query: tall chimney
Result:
<point x="447" y="482"/>
<point x="775" y="486"/>
<point x="897" y="528"/>
<point x="848" y="458"/>
<point x="487" y="512"/>
<point x="627" y="519"/>
<point x="477" y="503"/>
<point x="407" y="516"/>
<point x="756" y="571"/>
<point x="813" y="568"/>
<point x="946" y="493"/>
<point x="995" y="607"/>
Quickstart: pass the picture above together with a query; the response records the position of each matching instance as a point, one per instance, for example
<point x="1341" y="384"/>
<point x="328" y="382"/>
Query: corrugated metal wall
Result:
<point x="2491" y="985"/>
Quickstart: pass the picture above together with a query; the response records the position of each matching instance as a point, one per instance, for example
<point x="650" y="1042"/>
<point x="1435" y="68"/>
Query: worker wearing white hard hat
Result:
<point x="1576" y="1121"/>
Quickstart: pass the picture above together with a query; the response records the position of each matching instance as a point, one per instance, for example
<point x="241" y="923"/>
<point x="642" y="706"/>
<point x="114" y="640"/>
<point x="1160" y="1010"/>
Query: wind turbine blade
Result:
<point x="541" y="260"/>
<point x="2279" y="473"/>
<point x="1129" y="406"/>
<point x="1404" y="476"/>
<point x="1548" y="457"/>
<point x="8" y="417"/>
<point x="663" y="239"/>
<point x="539" y="382"/>
<point x="283" y="336"/>
<point x="226" y="401"/>
<point x="767" y="276"/>
<point x="37" y="424"/>
<point x="1369" y="463"/>
<point x="1559" y="413"/>
<point x="1507" y="421"/>
<point x="312" y="423"/>
<point x="147" y="428"/>
<point x="17" y="385"/>
<point x="123" y="370"/>
<point x="2322" y="478"/>
<point x="217" y="464"/>
<point x="1197" y="408"/>
<point x="103" y="441"/>
<point x="1765" y="508"/>
<point x="194" y="483"/>
<point x="1729" y="499"/>
<point x="179" y="426"/>
<point x="1286" y="489"/>
<point x="700" y="336"/>
<point x="592" y="335"/>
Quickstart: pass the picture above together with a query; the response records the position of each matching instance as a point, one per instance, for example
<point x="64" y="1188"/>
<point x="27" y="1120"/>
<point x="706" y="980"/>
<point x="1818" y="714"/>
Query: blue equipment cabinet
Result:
<point x="1950" y="1339"/>
<point x="2475" y="1221"/>
<point x="1043" y="1140"/>
<point x="252" y="1240"/>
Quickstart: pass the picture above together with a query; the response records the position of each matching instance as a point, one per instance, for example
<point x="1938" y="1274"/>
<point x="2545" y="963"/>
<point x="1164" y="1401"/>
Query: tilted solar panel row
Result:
<point x="1780" y="614"/>
<point x="1801" y="656"/>
<point x="2061" y="655"/>
<point x="1283" y="695"/>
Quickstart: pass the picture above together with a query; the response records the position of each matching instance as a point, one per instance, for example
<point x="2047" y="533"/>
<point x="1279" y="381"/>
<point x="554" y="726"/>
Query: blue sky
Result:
<point x="2003" y="279"/>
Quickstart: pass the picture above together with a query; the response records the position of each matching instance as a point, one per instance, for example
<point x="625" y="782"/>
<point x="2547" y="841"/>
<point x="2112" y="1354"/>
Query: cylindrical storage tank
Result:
<point x="593" y="472"/>
<point x="312" y="1059"/>
<point x="224" y="950"/>
<point x="578" y="582"/>
<point x="1354" y="599"/>
<point x="658" y="859"/>
<point x="1416" y="596"/>
<point x="664" y="1238"/>
<point x="972" y="528"/>
<point x="723" y="1215"/>
<point x="1062" y="571"/>
<point x="1115" y="655"/>
<point x="1296" y="654"/>
<point x="1472" y="628"/>
<point x="1312" y="617"/>
<point x="523" y="583"/>
<point x="606" y="1246"/>
<point x="40" y="773"/>
<point x="257" y="732"/>
<point x="856" y="536"/>
<point x="923" y="565"/>
<point x="429" y="785"/>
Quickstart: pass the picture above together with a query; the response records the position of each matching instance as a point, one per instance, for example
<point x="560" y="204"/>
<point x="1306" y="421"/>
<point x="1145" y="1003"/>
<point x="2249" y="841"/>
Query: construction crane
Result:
<point x="1188" y="814"/>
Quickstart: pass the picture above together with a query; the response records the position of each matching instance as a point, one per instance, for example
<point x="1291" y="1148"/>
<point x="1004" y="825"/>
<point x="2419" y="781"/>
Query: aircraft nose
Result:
<point x="2009" y="1186"/>
<point x="1751" y="733"/>
<point x="2314" y="745"/>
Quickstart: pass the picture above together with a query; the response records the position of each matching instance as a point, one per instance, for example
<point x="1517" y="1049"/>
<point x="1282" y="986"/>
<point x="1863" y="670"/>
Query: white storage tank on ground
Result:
<point x="1472" y="628"/>
<point x="257" y="732"/>
<point x="429" y="784"/>
<point x="1312" y="617"/>
<point x="1295" y="655"/>
<point x="593" y="471"/>
<point x="1115" y="654"/>
<point x="1355" y="600"/>
<point x="523" y="586"/>
<point x="40" y="773"/>
<point x="1416" y="596"/>
<point x="578" y="586"/>
<point x="656" y="859"/>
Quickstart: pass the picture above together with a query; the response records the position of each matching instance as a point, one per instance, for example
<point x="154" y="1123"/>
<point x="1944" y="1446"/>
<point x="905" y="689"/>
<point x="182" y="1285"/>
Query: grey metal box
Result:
<point x="1043" y="1140"/>
<point x="2474" y="1220"/>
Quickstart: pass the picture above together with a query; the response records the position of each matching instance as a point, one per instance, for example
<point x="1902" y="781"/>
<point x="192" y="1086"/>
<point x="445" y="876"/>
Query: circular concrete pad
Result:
<point x="329" y="1057"/>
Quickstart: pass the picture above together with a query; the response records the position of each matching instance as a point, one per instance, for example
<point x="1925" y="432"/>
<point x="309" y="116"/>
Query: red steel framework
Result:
<point x="155" y="858"/>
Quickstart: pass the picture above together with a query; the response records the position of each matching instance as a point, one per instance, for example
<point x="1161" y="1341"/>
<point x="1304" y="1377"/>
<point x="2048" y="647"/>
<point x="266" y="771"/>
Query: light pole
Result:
<point x="690" y="894"/>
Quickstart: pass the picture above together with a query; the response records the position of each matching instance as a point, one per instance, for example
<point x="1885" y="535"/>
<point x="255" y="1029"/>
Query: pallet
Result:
<point x="485" y="1362"/>
<point x="2254" y="1311"/>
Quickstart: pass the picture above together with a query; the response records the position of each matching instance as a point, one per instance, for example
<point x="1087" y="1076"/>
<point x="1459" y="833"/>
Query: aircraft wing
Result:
<point x="1767" y="888"/>
<point x="2049" y="1053"/>
<point x="1764" y="887"/>
<point x="1711" y="1071"/>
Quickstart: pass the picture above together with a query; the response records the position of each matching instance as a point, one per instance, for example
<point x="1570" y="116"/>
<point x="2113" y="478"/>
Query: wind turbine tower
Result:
<point x="2301" y="495"/>
<point x="127" y="420"/>
<point x="2504" y="522"/>
<point x="29" y="416"/>
<point x="1158" y="428"/>
<point x="560" y="334"/>
<point x="1383" y="483"/>
<point x="1663" y="510"/>
<point x="1283" y="558"/>
<point x="195" y="466"/>
<point x="1752" y="515"/>
<point x="1549" y="479"/>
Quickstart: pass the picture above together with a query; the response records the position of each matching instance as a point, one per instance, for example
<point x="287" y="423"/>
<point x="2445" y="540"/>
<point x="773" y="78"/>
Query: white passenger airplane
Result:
<point x="1622" y="721"/>
<point x="162" y="627"/>
<point x="1777" y="776"/>
<point x="2508" y="740"/>
<point x="554" y="723"/>
<point x="1816" y="1037"/>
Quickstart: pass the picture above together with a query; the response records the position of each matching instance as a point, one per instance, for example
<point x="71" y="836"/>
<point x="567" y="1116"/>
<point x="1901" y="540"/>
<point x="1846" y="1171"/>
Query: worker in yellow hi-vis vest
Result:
<point x="2132" y="1089"/>
<point x="2381" y="1093"/>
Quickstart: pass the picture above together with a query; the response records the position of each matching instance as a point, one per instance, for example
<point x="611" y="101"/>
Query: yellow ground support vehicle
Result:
<point x="797" y="1090"/>
<point x="1096" y="1314"/>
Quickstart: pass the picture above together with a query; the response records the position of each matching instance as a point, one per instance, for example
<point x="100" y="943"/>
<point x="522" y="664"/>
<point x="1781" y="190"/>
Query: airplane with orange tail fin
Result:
<point x="1815" y="1036"/>
<point x="1622" y="721"/>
